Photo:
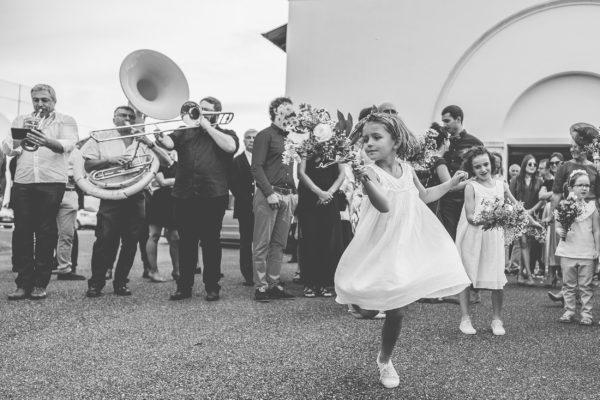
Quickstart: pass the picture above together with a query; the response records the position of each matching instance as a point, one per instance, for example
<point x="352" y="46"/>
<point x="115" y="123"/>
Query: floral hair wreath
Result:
<point x="578" y="171"/>
<point x="372" y="116"/>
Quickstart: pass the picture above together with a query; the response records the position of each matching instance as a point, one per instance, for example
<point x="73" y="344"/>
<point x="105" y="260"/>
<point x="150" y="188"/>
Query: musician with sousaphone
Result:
<point x="41" y="142"/>
<point x="119" y="219"/>
<point x="205" y="153"/>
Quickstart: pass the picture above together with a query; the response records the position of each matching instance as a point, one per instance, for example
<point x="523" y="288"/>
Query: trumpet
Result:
<point x="27" y="145"/>
<point x="190" y="113"/>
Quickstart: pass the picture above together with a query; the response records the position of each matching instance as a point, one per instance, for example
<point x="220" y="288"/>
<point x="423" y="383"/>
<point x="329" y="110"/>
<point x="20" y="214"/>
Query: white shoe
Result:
<point x="388" y="375"/>
<point x="466" y="327"/>
<point x="497" y="327"/>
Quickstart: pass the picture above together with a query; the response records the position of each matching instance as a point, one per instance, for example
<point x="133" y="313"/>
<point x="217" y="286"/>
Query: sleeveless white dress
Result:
<point x="398" y="257"/>
<point x="482" y="252"/>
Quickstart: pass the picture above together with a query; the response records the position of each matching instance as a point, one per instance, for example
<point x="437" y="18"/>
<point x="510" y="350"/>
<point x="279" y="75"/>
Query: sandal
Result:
<point x="587" y="321"/>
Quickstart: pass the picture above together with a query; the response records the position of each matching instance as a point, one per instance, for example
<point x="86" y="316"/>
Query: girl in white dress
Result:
<point x="482" y="252"/>
<point x="400" y="252"/>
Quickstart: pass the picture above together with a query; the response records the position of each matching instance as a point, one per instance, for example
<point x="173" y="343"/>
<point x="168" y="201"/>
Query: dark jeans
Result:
<point x="35" y="206"/>
<point x="118" y="221"/>
<point x="74" y="251"/>
<point x="246" y="222"/>
<point x="449" y="213"/>
<point x="145" y="233"/>
<point x="200" y="219"/>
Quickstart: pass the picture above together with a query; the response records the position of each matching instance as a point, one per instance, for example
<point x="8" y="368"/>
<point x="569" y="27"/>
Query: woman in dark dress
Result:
<point x="319" y="225"/>
<point x="526" y="187"/>
<point x="160" y="214"/>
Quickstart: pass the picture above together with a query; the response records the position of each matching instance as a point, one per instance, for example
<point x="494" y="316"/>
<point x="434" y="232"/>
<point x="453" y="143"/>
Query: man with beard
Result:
<point x="119" y="221"/>
<point x="273" y="202"/>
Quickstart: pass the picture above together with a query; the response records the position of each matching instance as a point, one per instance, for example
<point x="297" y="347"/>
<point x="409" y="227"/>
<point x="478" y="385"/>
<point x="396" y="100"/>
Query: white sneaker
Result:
<point x="497" y="327"/>
<point x="387" y="374"/>
<point x="466" y="327"/>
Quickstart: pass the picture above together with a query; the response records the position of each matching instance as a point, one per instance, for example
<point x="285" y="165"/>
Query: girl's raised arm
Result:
<point x="372" y="188"/>
<point x="436" y="192"/>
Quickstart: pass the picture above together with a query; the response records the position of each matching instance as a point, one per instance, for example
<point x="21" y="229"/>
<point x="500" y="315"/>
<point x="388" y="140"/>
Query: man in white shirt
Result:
<point x="38" y="189"/>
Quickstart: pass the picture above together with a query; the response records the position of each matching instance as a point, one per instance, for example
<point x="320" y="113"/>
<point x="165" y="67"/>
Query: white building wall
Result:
<point x="522" y="70"/>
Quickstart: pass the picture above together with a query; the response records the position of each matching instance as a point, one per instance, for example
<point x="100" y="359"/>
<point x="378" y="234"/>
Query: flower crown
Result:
<point x="578" y="171"/>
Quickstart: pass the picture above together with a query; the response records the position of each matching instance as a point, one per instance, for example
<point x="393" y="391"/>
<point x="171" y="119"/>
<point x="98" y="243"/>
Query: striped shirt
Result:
<point x="44" y="165"/>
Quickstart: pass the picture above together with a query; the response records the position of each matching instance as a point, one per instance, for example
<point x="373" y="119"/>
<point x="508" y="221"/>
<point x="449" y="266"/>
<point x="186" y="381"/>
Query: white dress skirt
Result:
<point x="398" y="257"/>
<point x="482" y="252"/>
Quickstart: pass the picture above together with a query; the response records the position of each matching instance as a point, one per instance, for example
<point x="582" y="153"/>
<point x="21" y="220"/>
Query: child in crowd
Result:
<point x="400" y="252"/>
<point x="482" y="252"/>
<point x="578" y="250"/>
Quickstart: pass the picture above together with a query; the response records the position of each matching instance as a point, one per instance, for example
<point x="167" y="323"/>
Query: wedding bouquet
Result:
<point x="422" y="159"/>
<point x="502" y="214"/>
<point x="327" y="139"/>
<point x="593" y="148"/>
<point x="566" y="213"/>
<point x="538" y="234"/>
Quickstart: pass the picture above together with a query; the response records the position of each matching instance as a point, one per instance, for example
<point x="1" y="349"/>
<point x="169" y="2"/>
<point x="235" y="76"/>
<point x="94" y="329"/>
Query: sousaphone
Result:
<point x="155" y="86"/>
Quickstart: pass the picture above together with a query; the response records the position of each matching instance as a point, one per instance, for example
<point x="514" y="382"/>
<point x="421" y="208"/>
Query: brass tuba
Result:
<point x="156" y="87"/>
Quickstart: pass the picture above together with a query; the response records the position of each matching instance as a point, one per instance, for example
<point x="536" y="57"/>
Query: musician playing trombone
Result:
<point x="119" y="221"/>
<point x="38" y="188"/>
<point x="201" y="193"/>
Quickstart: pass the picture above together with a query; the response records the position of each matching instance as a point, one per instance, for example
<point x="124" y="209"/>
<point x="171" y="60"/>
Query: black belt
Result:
<point x="70" y="189"/>
<point x="284" y="190"/>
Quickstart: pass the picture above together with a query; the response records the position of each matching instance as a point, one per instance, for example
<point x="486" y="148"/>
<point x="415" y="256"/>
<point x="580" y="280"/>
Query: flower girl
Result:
<point x="400" y="252"/>
<point x="578" y="250"/>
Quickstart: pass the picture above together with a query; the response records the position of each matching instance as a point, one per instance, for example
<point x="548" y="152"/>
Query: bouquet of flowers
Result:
<point x="327" y="139"/>
<point x="423" y="156"/>
<point x="502" y="214"/>
<point x="539" y="234"/>
<point x="593" y="148"/>
<point x="566" y="213"/>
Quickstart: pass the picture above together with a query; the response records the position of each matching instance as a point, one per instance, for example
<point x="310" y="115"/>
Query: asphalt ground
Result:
<point x="147" y="347"/>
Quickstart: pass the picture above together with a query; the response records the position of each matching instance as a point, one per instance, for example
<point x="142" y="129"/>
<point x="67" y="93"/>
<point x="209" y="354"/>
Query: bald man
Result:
<point x="387" y="107"/>
<point x="242" y="187"/>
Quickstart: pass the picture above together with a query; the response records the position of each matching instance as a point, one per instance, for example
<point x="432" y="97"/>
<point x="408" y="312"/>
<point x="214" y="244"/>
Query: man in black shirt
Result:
<point x="242" y="186"/>
<point x="272" y="202"/>
<point x="201" y="193"/>
<point x="460" y="142"/>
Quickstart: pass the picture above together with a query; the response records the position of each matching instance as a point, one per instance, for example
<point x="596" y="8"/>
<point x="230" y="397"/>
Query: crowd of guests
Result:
<point x="190" y="193"/>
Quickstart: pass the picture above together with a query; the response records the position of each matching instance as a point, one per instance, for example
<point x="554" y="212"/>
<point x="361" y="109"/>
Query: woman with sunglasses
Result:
<point x="526" y="187"/>
<point x="551" y="261"/>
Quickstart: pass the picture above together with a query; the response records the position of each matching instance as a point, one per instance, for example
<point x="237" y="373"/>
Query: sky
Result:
<point x="77" y="47"/>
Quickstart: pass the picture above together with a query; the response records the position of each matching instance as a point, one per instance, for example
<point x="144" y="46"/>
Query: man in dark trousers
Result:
<point x="460" y="142"/>
<point x="242" y="186"/>
<point x="201" y="193"/>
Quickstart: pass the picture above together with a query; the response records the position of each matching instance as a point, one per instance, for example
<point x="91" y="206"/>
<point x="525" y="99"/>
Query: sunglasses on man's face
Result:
<point x="553" y="163"/>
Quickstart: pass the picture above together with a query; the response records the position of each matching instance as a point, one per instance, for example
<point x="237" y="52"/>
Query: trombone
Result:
<point x="190" y="116"/>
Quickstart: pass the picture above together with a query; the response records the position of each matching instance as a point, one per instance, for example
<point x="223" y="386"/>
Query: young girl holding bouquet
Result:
<point x="578" y="248"/>
<point x="482" y="252"/>
<point x="400" y="252"/>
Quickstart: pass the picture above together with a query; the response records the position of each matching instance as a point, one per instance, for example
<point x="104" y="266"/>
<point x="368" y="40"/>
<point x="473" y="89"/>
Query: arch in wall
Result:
<point x="553" y="104"/>
<point x="521" y="59"/>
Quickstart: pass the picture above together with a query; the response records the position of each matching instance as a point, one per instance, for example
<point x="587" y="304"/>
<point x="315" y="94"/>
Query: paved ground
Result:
<point x="146" y="347"/>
